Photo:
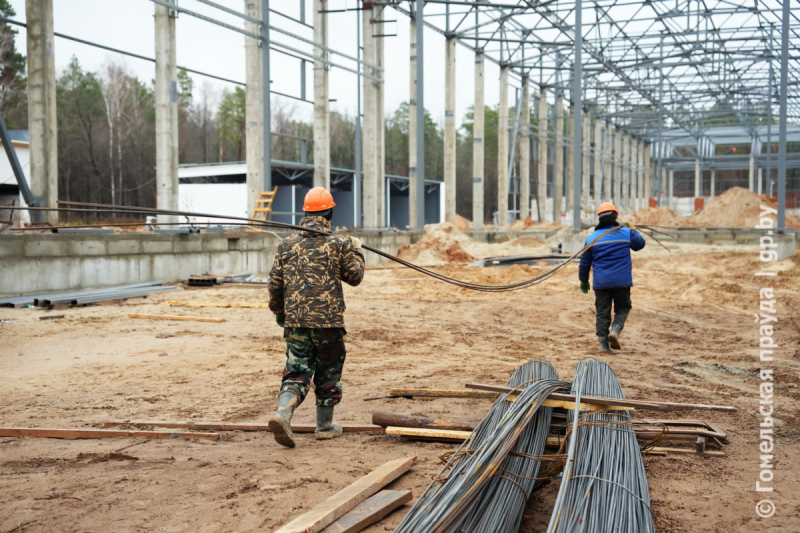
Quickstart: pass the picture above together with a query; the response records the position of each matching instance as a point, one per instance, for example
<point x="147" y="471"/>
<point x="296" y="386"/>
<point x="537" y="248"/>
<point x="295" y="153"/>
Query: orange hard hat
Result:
<point x="606" y="207"/>
<point x="318" y="199"/>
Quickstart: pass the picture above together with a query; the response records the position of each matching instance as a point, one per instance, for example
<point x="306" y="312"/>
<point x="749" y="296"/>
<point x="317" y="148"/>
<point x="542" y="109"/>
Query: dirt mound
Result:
<point x="526" y="242"/>
<point x="442" y="242"/>
<point x="462" y="223"/>
<point x="656" y="216"/>
<point x="736" y="208"/>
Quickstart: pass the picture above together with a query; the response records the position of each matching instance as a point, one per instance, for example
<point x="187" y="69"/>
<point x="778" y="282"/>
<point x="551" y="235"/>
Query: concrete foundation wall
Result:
<point x="49" y="263"/>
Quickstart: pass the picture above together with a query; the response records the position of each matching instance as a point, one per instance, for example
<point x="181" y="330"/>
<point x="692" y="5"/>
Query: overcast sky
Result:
<point x="128" y="25"/>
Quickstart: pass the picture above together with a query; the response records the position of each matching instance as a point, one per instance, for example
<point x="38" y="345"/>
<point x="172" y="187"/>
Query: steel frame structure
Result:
<point x="654" y="70"/>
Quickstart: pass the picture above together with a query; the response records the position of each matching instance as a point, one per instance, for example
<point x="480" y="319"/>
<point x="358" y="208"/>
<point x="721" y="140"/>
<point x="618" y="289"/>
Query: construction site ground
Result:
<point x="691" y="337"/>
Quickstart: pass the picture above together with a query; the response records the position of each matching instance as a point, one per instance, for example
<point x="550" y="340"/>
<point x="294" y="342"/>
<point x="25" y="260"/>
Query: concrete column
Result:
<point x="570" y="160"/>
<point x="759" y="182"/>
<point x="369" y="140"/>
<point x="477" y="146"/>
<point x="166" y="95"/>
<point x="713" y="185"/>
<point x="623" y="167"/>
<point x="697" y="178"/>
<point x="322" y="120"/>
<point x="598" y="163"/>
<point x="558" y="168"/>
<point x="629" y="172"/>
<point x="380" y="149"/>
<point x="648" y="176"/>
<point x="671" y="190"/>
<point x="525" y="152"/>
<point x="541" y="187"/>
<point x="502" y="150"/>
<point x="42" y="121"/>
<point x="642" y="177"/>
<point x="412" y="129"/>
<point x="585" y="150"/>
<point x="608" y="148"/>
<point x="450" y="129"/>
<point x="751" y="176"/>
<point x="664" y="177"/>
<point x="616" y="180"/>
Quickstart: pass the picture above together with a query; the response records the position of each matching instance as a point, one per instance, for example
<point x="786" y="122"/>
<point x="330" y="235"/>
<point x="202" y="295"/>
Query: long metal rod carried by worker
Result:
<point x="97" y="208"/>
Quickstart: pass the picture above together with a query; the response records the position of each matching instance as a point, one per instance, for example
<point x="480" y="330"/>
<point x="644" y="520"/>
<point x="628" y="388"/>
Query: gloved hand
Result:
<point x="585" y="287"/>
<point x="281" y="320"/>
<point x="628" y="225"/>
<point x="356" y="242"/>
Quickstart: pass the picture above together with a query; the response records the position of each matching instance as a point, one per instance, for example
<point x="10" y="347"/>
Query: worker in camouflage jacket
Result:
<point x="305" y="293"/>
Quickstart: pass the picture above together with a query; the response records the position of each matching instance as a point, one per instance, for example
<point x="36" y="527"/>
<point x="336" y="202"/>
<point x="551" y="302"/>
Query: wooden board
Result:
<point x="707" y="453"/>
<point x="168" y="317"/>
<point x="447" y="435"/>
<point x="346" y="499"/>
<point x="218" y="304"/>
<point x="371" y="511"/>
<point x="440" y="393"/>
<point x="657" y="406"/>
<point x="97" y="433"/>
<point x="230" y="426"/>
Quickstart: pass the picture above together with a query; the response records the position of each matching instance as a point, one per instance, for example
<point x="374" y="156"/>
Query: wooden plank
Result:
<point x="583" y="407"/>
<point x="646" y="405"/>
<point x="186" y="318"/>
<point x="439" y="393"/>
<point x="218" y="304"/>
<point x="232" y="426"/>
<point x="707" y="453"/>
<point x="98" y="433"/>
<point x="447" y="434"/>
<point x="382" y="418"/>
<point x="346" y="499"/>
<point x="371" y="511"/>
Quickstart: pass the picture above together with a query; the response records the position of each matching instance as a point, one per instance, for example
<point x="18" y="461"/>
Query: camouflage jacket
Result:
<point x="305" y="283"/>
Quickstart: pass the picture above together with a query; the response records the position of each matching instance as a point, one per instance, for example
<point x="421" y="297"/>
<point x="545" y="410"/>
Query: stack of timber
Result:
<point x="479" y="487"/>
<point x="354" y="507"/>
<point x="86" y="297"/>
<point x="604" y="487"/>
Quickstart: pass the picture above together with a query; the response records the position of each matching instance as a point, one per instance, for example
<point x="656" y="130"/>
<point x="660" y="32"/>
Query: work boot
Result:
<point x="281" y="422"/>
<point x="326" y="429"/>
<point x="604" y="347"/>
<point x="613" y="337"/>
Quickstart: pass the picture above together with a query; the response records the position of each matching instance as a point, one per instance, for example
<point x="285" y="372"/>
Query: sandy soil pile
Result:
<point x="444" y="243"/>
<point x="462" y="223"/>
<point x="736" y="208"/>
<point x="528" y="224"/>
<point x="656" y="216"/>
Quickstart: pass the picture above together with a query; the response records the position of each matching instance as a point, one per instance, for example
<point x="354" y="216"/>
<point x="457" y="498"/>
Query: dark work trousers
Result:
<point x="603" y="298"/>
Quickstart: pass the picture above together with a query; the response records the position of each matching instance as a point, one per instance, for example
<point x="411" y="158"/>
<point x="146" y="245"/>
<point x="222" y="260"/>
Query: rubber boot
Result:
<point x="326" y="429"/>
<point x="281" y="422"/>
<point x="604" y="347"/>
<point x="613" y="337"/>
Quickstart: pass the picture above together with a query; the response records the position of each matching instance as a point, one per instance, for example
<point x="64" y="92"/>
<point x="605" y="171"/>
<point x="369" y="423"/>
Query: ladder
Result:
<point x="264" y="204"/>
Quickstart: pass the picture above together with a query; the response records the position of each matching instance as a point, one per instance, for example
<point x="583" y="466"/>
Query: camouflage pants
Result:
<point x="317" y="353"/>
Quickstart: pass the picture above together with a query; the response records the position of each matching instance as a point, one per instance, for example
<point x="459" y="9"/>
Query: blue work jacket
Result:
<point x="610" y="258"/>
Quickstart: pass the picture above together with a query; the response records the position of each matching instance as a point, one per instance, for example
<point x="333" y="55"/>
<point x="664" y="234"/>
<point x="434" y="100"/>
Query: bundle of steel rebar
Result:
<point x="604" y="487"/>
<point x="486" y="483"/>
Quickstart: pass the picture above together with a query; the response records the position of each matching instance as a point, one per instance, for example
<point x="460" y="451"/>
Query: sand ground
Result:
<point x="694" y="306"/>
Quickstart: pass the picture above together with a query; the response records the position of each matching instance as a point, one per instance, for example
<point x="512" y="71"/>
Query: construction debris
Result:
<point x="169" y="317"/>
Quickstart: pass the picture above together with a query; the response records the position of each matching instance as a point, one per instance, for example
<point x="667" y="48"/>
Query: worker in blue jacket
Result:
<point x="610" y="259"/>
